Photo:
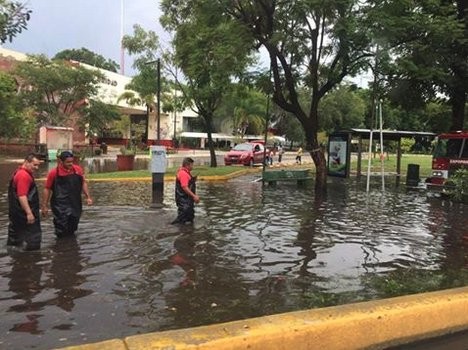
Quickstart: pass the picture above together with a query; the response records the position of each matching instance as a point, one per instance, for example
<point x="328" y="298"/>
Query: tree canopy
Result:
<point x="14" y="17"/>
<point x="427" y="45"/>
<point x="15" y="121"/>
<point x="97" y="116"/>
<point x="55" y="89"/>
<point x="89" y="57"/>
<point x="342" y="109"/>
<point x="243" y="111"/>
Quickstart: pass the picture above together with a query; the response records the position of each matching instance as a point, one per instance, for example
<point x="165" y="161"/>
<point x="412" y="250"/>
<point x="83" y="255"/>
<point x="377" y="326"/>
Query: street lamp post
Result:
<point x="175" y="123"/>
<point x="176" y="105"/>
<point x="159" y="99"/>
<point x="158" y="152"/>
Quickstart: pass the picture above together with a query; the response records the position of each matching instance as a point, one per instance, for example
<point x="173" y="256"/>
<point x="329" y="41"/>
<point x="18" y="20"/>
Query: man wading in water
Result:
<point x="185" y="193"/>
<point x="65" y="184"/>
<point x="23" y="212"/>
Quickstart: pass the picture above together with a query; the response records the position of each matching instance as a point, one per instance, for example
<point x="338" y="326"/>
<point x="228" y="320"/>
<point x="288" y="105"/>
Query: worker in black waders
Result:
<point x="63" y="188"/>
<point x="185" y="190"/>
<point x="23" y="212"/>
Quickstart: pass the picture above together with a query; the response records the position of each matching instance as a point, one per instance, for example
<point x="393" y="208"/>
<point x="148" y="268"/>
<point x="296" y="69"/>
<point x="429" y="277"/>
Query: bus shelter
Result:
<point x="340" y="145"/>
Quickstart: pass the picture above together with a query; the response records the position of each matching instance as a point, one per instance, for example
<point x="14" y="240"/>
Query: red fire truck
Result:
<point x="450" y="153"/>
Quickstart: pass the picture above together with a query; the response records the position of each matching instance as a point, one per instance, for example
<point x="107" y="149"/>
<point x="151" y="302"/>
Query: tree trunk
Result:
<point x="209" y="131"/>
<point x="213" y="162"/>
<point x="317" y="154"/>
<point x="321" y="170"/>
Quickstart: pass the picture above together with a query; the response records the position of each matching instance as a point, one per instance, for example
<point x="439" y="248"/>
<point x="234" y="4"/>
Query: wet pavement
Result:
<point x="252" y="251"/>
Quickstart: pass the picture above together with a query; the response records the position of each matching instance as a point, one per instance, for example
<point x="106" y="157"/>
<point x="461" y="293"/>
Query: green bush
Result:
<point x="407" y="145"/>
<point x="457" y="186"/>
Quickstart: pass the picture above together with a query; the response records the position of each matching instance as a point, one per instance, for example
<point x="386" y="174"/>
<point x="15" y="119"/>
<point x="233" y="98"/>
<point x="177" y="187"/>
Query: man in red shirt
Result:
<point x="185" y="193"/>
<point x="23" y="212"/>
<point x="63" y="188"/>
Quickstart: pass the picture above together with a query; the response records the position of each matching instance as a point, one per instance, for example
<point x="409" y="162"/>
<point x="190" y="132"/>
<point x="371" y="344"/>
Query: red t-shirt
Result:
<point x="22" y="181"/>
<point x="75" y="169"/>
<point x="183" y="175"/>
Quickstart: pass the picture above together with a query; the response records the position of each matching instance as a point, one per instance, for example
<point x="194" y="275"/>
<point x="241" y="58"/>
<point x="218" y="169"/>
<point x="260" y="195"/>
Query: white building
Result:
<point x="112" y="87"/>
<point x="171" y="124"/>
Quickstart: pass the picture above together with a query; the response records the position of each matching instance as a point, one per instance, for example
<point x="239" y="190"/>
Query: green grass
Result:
<point x="197" y="171"/>
<point x="424" y="162"/>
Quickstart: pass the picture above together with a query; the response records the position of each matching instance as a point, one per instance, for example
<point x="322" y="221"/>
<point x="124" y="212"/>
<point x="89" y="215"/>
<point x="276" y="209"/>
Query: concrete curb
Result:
<point x="172" y="177"/>
<point x="368" y="325"/>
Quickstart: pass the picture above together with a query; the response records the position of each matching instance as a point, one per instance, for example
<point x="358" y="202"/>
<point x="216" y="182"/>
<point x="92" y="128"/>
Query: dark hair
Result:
<point x="30" y="157"/>
<point x="65" y="154"/>
<point x="187" y="161"/>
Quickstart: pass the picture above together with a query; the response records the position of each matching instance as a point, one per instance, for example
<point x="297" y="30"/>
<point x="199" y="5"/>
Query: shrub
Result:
<point x="407" y="145"/>
<point x="457" y="186"/>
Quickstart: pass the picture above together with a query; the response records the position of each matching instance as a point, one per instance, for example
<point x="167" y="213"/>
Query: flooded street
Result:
<point x="252" y="251"/>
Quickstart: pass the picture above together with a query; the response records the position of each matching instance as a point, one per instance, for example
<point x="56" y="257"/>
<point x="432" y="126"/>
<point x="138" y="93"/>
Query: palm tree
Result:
<point x="248" y="112"/>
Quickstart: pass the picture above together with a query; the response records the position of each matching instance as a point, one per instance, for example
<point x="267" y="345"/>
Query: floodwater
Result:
<point x="252" y="251"/>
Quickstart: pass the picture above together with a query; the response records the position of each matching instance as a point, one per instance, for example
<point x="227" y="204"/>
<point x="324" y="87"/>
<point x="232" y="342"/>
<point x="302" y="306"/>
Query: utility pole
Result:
<point x="159" y="99"/>
<point x="122" y="51"/>
<point x="176" y="105"/>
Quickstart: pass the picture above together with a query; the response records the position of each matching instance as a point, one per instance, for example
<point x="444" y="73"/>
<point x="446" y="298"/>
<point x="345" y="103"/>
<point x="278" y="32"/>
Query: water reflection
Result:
<point x="252" y="251"/>
<point x="65" y="279"/>
<point x="24" y="282"/>
<point x="183" y="257"/>
<point x="306" y="236"/>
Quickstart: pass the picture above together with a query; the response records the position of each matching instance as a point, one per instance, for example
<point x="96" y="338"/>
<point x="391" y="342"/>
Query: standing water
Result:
<point x="252" y="251"/>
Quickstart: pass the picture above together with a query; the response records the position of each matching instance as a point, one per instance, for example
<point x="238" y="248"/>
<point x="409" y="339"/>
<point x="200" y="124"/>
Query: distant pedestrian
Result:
<point x="299" y="156"/>
<point x="280" y="152"/>
<point x="63" y="188"/>
<point x="24" y="210"/>
<point x="185" y="193"/>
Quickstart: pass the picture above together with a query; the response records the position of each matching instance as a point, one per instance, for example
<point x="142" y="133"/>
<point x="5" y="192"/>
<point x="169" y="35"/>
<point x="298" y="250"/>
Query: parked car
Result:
<point x="248" y="153"/>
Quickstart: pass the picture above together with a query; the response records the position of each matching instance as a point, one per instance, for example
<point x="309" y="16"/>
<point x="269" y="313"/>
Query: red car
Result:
<point x="248" y="153"/>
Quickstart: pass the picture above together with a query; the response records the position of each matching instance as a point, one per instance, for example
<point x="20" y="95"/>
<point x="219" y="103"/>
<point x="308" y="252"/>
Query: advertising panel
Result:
<point x="338" y="157"/>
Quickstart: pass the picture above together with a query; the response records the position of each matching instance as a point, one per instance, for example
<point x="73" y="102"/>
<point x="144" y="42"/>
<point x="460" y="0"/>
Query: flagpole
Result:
<point x="122" y="51"/>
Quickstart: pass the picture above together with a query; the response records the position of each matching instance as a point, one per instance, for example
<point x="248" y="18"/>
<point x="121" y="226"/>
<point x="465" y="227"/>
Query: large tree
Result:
<point x="89" y="57"/>
<point x="312" y="45"/>
<point x="428" y="41"/>
<point x="211" y="50"/>
<point x="14" y="17"/>
<point x="56" y="89"/>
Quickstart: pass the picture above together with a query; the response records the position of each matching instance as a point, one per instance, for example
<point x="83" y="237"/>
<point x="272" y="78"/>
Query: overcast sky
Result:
<point x="57" y="25"/>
